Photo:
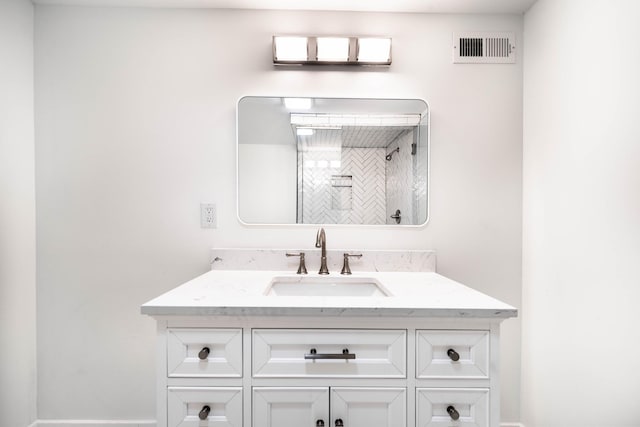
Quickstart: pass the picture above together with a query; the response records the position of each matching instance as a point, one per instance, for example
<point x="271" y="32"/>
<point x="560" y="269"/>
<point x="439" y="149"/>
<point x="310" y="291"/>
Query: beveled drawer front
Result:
<point x="204" y="406"/>
<point x="329" y="353"/>
<point x="442" y="407"/>
<point x="204" y="352"/>
<point x="452" y="354"/>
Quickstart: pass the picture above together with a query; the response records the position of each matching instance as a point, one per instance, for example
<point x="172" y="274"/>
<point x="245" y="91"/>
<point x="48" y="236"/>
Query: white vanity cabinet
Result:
<point x="230" y="355"/>
<point x="254" y="371"/>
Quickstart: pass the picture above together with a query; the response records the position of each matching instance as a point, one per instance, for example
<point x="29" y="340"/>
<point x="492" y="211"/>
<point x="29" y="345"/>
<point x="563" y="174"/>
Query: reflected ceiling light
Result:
<point x="331" y="50"/>
<point x="297" y="103"/>
<point x="304" y="131"/>
<point x="374" y="50"/>
<point x="290" y="48"/>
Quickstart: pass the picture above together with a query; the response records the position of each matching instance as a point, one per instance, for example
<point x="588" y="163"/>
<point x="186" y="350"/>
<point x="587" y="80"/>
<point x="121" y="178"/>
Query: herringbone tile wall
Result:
<point x="362" y="203"/>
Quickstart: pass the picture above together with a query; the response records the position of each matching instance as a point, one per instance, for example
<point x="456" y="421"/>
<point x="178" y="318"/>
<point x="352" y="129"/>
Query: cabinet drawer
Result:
<point x="204" y="407"/>
<point x="438" y="407"/>
<point x="187" y="354"/>
<point x="329" y="353"/>
<point x="437" y="352"/>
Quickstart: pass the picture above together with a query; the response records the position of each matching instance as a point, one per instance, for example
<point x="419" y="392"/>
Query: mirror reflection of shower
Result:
<point x="356" y="169"/>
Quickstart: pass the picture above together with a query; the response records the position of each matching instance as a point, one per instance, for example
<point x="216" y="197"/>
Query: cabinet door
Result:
<point x="368" y="407"/>
<point x="290" y="406"/>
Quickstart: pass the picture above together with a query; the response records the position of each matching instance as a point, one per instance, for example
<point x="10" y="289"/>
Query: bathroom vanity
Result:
<point x="262" y="348"/>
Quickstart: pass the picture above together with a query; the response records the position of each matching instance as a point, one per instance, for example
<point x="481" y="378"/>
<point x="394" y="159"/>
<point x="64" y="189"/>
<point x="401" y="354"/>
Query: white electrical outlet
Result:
<point x="208" y="217"/>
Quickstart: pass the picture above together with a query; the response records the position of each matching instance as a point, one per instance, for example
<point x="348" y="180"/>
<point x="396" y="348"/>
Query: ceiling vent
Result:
<point x="484" y="48"/>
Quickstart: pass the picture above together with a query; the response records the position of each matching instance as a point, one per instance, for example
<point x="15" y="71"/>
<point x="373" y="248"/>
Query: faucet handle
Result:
<point x="302" y="268"/>
<point x="345" y="266"/>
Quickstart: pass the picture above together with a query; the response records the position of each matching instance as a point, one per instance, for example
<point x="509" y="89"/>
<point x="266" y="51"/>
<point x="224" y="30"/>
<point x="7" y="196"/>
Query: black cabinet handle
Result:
<point x="320" y="423"/>
<point x="339" y="423"/>
<point x="453" y="413"/>
<point x="204" y="412"/>
<point x="204" y="353"/>
<point x="314" y="355"/>
<point x="453" y="355"/>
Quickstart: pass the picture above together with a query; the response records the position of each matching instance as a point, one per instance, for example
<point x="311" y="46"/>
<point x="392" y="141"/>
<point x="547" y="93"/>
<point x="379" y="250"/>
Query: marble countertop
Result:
<point x="243" y="292"/>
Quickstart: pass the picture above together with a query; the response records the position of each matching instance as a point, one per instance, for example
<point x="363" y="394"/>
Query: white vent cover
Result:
<point x="484" y="48"/>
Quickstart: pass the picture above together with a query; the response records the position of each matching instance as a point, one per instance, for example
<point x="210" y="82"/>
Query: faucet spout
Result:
<point x="321" y="242"/>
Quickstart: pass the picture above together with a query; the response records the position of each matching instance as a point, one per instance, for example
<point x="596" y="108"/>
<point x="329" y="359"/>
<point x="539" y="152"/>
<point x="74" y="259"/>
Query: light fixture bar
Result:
<point x="331" y="50"/>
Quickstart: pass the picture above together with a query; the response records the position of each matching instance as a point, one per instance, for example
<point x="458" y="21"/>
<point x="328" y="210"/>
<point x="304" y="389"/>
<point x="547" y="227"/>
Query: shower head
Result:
<point x="390" y="155"/>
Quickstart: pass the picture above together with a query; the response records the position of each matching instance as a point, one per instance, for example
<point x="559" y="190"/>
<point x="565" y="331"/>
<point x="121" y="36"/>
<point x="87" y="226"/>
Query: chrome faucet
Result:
<point x="321" y="242"/>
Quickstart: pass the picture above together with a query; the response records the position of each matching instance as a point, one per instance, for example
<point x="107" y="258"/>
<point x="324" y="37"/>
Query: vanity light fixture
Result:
<point x="331" y="50"/>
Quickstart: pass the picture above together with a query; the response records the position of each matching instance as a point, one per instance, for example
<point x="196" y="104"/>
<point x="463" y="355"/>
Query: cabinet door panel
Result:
<point x="369" y="407"/>
<point x="184" y="405"/>
<point x="290" y="406"/>
<point x="471" y="406"/>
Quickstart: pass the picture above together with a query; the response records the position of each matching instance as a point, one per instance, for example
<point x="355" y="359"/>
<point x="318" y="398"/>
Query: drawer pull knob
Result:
<point x="339" y="423"/>
<point x="453" y="413"/>
<point x="453" y="355"/>
<point x="314" y="355"/>
<point x="204" y="412"/>
<point x="320" y="423"/>
<point x="204" y="353"/>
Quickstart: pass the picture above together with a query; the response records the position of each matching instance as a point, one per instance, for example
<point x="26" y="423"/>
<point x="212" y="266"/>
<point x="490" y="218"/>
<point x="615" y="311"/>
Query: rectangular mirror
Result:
<point x="332" y="161"/>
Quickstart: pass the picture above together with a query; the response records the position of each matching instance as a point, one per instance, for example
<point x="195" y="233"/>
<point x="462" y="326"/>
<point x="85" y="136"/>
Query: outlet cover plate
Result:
<point x="208" y="215"/>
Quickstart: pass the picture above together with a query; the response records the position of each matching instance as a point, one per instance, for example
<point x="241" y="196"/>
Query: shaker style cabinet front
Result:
<point x="255" y="373"/>
<point x="329" y="407"/>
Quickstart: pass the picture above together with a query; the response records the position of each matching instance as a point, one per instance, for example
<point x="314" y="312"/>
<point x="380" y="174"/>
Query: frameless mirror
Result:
<point x="332" y="161"/>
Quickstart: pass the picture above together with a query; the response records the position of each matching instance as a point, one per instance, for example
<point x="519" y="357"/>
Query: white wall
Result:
<point x="17" y="217"/>
<point x="581" y="342"/>
<point x="269" y="183"/>
<point x="135" y="113"/>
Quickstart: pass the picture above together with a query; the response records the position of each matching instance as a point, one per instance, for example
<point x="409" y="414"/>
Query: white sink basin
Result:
<point x="325" y="286"/>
